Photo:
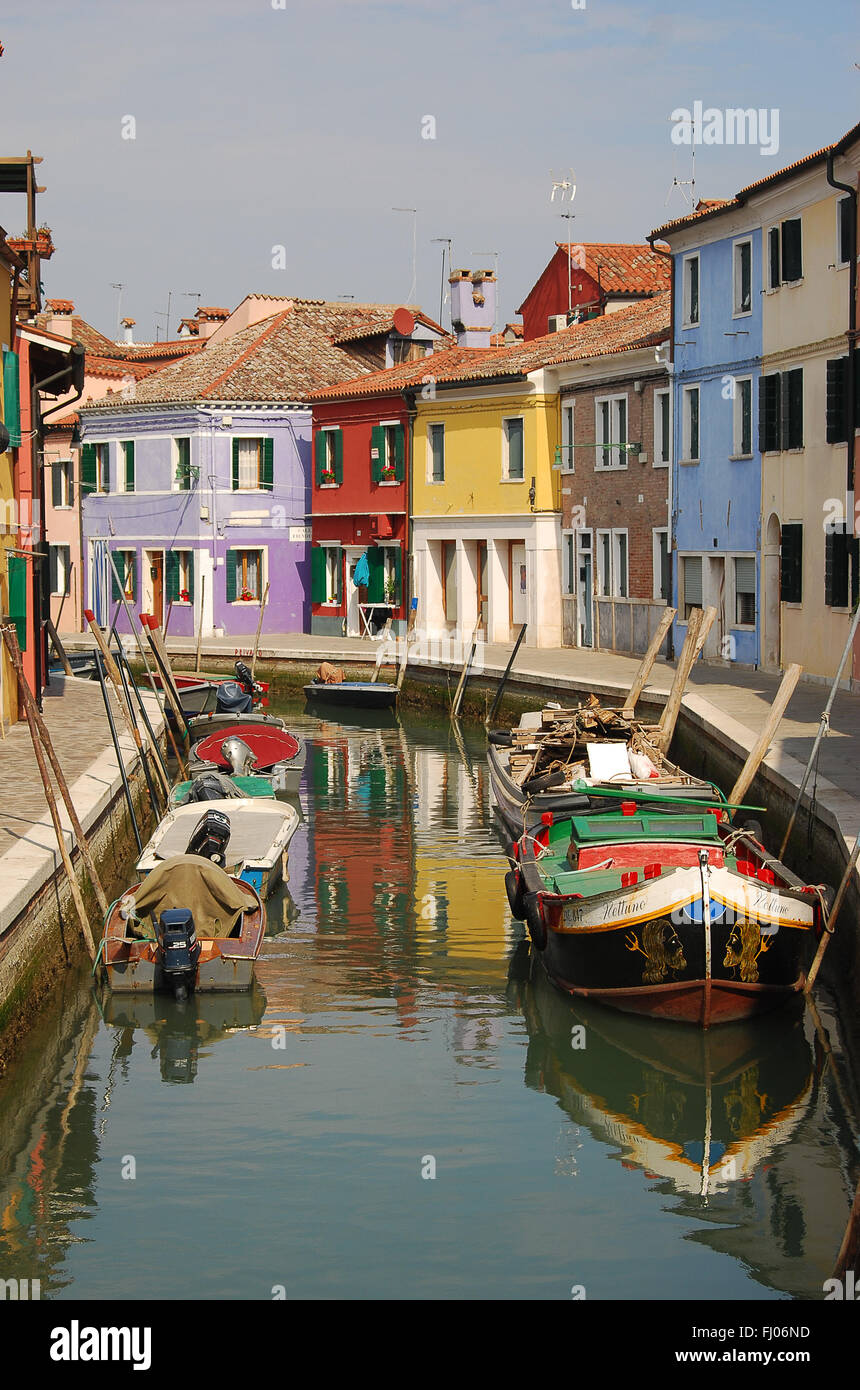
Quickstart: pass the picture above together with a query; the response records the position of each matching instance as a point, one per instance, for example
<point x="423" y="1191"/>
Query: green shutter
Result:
<point x="134" y="576"/>
<point x="268" y="479"/>
<point x="338" y="456"/>
<point x="56" y="489"/>
<point x="11" y="399"/>
<point x="376" y="582"/>
<point x="52" y="568"/>
<point x="339" y="572"/>
<point x="398" y="576"/>
<point x="230" y="576"/>
<point x="106" y="469"/>
<point x="398" y="453"/>
<point x="235" y="469"/>
<point x="191" y="576"/>
<point x="88" y="468"/>
<point x="319" y="456"/>
<point x="17" y="577"/>
<point x="377" y="442"/>
<point x="318" y="594"/>
<point x="172" y="576"/>
<point x="129" y="465"/>
<point x="117" y="568"/>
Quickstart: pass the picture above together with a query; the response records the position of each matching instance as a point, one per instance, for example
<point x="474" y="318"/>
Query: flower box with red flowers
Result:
<point x="184" y="596"/>
<point x="247" y="596"/>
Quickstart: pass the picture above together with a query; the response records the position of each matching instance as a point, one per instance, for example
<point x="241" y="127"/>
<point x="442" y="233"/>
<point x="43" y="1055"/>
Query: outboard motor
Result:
<point x="180" y="949"/>
<point x="246" y="680"/>
<point x="240" y="757"/>
<point x="233" y="699"/>
<point x="210" y="837"/>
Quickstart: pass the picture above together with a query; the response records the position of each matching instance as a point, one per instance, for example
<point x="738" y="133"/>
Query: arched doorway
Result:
<point x="770" y="617"/>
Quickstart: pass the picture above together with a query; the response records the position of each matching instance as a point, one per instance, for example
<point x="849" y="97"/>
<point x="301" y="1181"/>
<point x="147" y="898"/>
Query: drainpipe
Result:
<point x="670" y="500"/>
<point x="850" y="392"/>
<point x="409" y="397"/>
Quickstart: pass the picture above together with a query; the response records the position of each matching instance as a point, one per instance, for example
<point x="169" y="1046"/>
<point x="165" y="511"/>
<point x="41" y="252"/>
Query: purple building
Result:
<point x="195" y="482"/>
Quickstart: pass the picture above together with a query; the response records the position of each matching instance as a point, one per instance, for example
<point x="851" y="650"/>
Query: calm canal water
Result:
<point x="286" y="1140"/>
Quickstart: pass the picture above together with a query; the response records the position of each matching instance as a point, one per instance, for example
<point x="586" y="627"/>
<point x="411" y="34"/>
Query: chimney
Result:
<point x="59" y="316"/>
<point x="128" y="331"/>
<point x="473" y="307"/>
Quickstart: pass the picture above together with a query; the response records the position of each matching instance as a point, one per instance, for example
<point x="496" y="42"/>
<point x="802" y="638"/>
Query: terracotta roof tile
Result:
<point x="621" y="267"/>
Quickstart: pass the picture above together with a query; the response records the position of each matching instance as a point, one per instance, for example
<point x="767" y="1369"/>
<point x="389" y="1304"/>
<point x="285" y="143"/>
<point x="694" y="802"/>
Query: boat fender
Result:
<point x="754" y="828"/>
<point x="502" y="738"/>
<point x="544" y="782"/>
<point x="514" y="890"/>
<point x="534" y="918"/>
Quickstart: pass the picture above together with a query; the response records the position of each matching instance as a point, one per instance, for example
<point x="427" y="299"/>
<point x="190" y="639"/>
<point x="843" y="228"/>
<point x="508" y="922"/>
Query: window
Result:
<point x="792" y="409"/>
<point x="844" y="230"/>
<point x="126" y="465"/>
<point x="567" y="438"/>
<point x="244" y="576"/>
<point x="742" y="428"/>
<point x="387" y="451"/>
<point x="841" y="569"/>
<point x="449" y="580"/>
<point x="568" y="562"/>
<point x="745" y="591"/>
<point x="62" y="483"/>
<point x="326" y="574"/>
<point x="182" y="465"/>
<point x="784" y="256"/>
<point x="781" y="411"/>
<point x="791" y="563"/>
<point x="384" y="583"/>
<point x="405" y="350"/>
<point x="611" y="431"/>
<point x="59" y="567"/>
<point x="837" y="398"/>
<point x="691" y="583"/>
<point x="12" y="400"/>
<point x="125" y="566"/>
<point x="612" y="564"/>
<point x="691" y="424"/>
<point x="662" y="429"/>
<point x="691" y="290"/>
<point x="180" y="576"/>
<point x="253" y="465"/>
<point x="95" y="468"/>
<point x="742" y="277"/>
<point x="328" y="458"/>
<point x="660" y="563"/>
<point x="436" y="438"/>
<point x="513" y="464"/>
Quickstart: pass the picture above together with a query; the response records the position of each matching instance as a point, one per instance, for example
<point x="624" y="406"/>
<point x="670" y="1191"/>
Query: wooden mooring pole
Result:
<point x="42" y="743"/>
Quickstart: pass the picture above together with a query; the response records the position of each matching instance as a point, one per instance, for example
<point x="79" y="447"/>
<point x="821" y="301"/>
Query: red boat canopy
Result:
<point x="269" y="746"/>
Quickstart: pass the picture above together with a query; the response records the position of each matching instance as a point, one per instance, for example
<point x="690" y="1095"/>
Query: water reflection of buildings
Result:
<point x="48" y="1141"/>
<point x="738" y="1124"/>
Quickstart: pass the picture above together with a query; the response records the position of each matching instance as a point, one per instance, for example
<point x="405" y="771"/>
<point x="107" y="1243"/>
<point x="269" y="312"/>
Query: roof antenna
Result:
<point x="119" y="287"/>
<point x="565" y="187"/>
<point x="414" y="211"/>
<point x="447" y="242"/>
<point x="690" y="183"/>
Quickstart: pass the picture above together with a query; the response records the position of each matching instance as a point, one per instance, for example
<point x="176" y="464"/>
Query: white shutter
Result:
<point x="693" y="580"/>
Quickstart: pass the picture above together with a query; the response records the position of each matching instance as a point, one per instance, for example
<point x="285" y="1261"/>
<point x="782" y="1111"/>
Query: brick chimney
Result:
<point x="473" y="307"/>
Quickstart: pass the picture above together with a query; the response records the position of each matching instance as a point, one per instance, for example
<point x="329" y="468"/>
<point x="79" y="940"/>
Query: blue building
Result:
<point x="715" y="513"/>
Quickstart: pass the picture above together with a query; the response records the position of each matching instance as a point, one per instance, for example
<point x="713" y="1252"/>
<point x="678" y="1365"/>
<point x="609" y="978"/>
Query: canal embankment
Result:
<point x="40" y="938"/>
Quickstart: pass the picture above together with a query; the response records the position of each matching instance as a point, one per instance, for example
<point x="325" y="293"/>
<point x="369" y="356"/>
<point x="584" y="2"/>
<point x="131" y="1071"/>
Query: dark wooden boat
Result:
<point x="664" y="909"/>
<point x="188" y="927"/>
<point x="352" y="694"/>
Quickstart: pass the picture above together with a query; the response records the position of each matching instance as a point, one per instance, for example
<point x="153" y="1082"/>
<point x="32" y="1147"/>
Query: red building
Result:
<point x="592" y="278"/>
<point x="360" y="496"/>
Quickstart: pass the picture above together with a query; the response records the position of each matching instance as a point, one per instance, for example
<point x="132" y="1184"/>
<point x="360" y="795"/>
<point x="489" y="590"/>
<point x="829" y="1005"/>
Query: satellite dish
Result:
<point x="404" y="322"/>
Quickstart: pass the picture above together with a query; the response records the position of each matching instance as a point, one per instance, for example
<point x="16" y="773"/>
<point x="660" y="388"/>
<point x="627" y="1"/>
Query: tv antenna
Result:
<point x="565" y="187"/>
<point x="414" y="211"/>
<point x="446" y="242"/>
<point x="690" y="183"/>
<point x="164" y="315"/>
<point x="119" y="287"/>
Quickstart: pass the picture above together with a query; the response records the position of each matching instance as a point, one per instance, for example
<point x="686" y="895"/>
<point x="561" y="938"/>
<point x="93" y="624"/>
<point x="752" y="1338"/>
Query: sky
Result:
<point x="261" y="124"/>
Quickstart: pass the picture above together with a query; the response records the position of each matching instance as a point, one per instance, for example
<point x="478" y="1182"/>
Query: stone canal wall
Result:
<point x="40" y="938"/>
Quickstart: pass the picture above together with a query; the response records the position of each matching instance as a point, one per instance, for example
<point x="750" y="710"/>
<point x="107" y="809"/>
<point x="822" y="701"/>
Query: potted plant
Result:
<point x="389" y="472"/>
<point x="184" y="596"/>
<point x="247" y="596"/>
<point x="328" y="475"/>
<point x="390" y="590"/>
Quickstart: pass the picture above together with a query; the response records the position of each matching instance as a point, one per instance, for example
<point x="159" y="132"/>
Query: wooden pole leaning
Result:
<point x="113" y="673"/>
<point x="699" y="622"/>
<point x="464" y="674"/>
<point x="763" y="742"/>
<point x="410" y="624"/>
<point x="263" y="603"/>
<point x="834" y="913"/>
<point x="200" y="624"/>
<point x="38" y="736"/>
<point x="647" y="662"/>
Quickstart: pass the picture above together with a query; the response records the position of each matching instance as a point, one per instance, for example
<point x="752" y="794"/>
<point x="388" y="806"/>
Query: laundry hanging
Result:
<point x="361" y="574"/>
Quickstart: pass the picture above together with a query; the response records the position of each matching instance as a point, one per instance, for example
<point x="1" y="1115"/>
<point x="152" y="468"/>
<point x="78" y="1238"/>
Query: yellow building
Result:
<point x="810" y="569"/>
<point x="9" y="426"/>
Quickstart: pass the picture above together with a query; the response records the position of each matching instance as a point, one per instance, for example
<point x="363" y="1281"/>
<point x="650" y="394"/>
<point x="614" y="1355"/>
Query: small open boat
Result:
<point x="199" y="695"/>
<point x="251" y="748"/>
<point x="188" y="927"/>
<point x="217" y="786"/>
<point x="663" y="907"/>
<point x="246" y="835"/>
<point x="352" y="694"/>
